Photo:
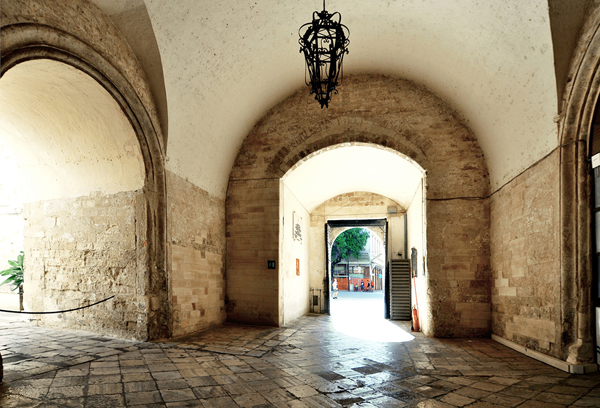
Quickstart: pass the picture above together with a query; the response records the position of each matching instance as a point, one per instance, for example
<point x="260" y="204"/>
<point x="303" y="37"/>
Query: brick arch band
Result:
<point x="384" y="111"/>
<point x="112" y="64"/>
<point x="579" y="102"/>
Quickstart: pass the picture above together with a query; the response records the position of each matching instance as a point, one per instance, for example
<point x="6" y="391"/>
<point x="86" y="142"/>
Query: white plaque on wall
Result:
<point x="297" y="226"/>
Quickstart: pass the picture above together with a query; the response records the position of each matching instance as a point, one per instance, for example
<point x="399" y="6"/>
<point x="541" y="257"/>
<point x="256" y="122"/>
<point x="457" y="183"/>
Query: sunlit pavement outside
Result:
<point x="361" y="315"/>
<point x="307" y="364"/>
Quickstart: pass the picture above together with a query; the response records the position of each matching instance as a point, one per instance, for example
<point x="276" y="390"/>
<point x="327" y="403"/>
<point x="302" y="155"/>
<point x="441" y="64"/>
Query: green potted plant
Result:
<point x="15" y="276"/>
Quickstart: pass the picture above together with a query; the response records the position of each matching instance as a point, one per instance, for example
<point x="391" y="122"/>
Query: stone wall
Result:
<point x="82" y="250"/>
<point x="382" y="111"/>
<point x="458" y="268"/>
<point x="576" y="125"/>
<point x="78" y="33"/>
<point x="353" y="205"/>
<point x="526" y="259"/>
<point x="252" y="239"/>
<point x="196" y="223"/>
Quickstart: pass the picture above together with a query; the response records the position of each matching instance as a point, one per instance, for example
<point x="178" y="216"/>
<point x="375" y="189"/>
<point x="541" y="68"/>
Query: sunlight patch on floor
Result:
<point x="363" y="319"/>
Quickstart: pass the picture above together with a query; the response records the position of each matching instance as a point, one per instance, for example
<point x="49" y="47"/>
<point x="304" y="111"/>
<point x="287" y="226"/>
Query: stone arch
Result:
<point x="404" y="168"/>
<point x="79" y="34"/>
<point x="388" y="112"/>
<point x="416" y="124"/>
<point x="356" y="205"/>
<point x="314" y="150"/>
<point x="579" y="102"/>
<point x="337" y="231"/>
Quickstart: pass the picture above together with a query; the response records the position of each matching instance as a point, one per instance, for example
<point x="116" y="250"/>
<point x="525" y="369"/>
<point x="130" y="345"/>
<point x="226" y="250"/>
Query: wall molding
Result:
<point x="551" y="361"/>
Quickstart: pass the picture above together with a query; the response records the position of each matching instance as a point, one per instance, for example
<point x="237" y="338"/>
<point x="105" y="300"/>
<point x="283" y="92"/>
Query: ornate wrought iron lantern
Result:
<point x="324" y="42"/>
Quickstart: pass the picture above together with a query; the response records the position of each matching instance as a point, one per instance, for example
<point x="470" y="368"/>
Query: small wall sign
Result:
<point x="271" y="264"/>
<point x="297" y="231"/>
<point x="297" y="267"/>
<point x="595" y="160"/>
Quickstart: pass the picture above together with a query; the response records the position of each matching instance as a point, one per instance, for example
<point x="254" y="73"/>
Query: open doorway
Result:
<point x="362" y="298"/>
<point x="356" y="267"/>
<point x="307" y="205"/>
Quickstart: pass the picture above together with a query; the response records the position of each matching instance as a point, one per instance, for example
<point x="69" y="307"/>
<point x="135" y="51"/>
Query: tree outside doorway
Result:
<point x="350" y="263"/>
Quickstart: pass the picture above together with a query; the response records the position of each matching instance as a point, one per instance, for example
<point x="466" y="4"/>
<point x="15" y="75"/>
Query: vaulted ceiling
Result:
<point x="67" y="133"/>
<point x="216" y="67"/>
<point x="354" y="168"/>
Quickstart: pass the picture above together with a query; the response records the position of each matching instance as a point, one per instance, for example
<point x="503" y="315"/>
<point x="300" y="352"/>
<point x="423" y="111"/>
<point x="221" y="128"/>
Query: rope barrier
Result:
<point x="57" y="311"/>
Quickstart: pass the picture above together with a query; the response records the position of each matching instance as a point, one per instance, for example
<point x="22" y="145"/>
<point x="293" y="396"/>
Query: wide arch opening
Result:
<point x="424" y="129"/>
<point x="81" y="197"/>
<point x="358" y="182"/>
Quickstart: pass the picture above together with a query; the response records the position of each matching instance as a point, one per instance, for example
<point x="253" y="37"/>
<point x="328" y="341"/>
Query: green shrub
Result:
<point x="14" y="273"/>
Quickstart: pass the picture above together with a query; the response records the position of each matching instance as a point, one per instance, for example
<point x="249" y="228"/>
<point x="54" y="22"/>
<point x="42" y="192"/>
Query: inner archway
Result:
<point x="45" y="34"/>
<point x="404" y="118"/>
<point x="360" y="182"/>
<point x="358" y="310"/>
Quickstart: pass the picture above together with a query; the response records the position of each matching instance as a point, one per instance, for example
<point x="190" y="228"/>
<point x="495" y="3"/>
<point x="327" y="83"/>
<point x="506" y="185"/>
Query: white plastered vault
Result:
<point x="227" y="63"/>
<point x="353" y="167"/>
<point x="67" y="133"/>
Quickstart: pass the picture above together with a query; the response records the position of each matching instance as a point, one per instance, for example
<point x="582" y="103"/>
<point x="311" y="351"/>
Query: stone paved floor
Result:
<point x="254" y="341"/>
<point x="309" y="364"/>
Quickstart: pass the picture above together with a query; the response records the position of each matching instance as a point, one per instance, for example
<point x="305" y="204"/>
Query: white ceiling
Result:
<point x="345" y="169"/>
<point x="227" y="62"/>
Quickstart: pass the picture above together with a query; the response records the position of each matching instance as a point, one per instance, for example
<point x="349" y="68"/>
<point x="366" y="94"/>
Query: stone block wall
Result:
<point x="82" y="250"/>
<point x="354" y="205"/>
<point x="253" y="239"/>
<point x="525" y="245"/>
<point x="80" y="34"/>
<point x="196" y="223"/>
<point x="458" y="268"/>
